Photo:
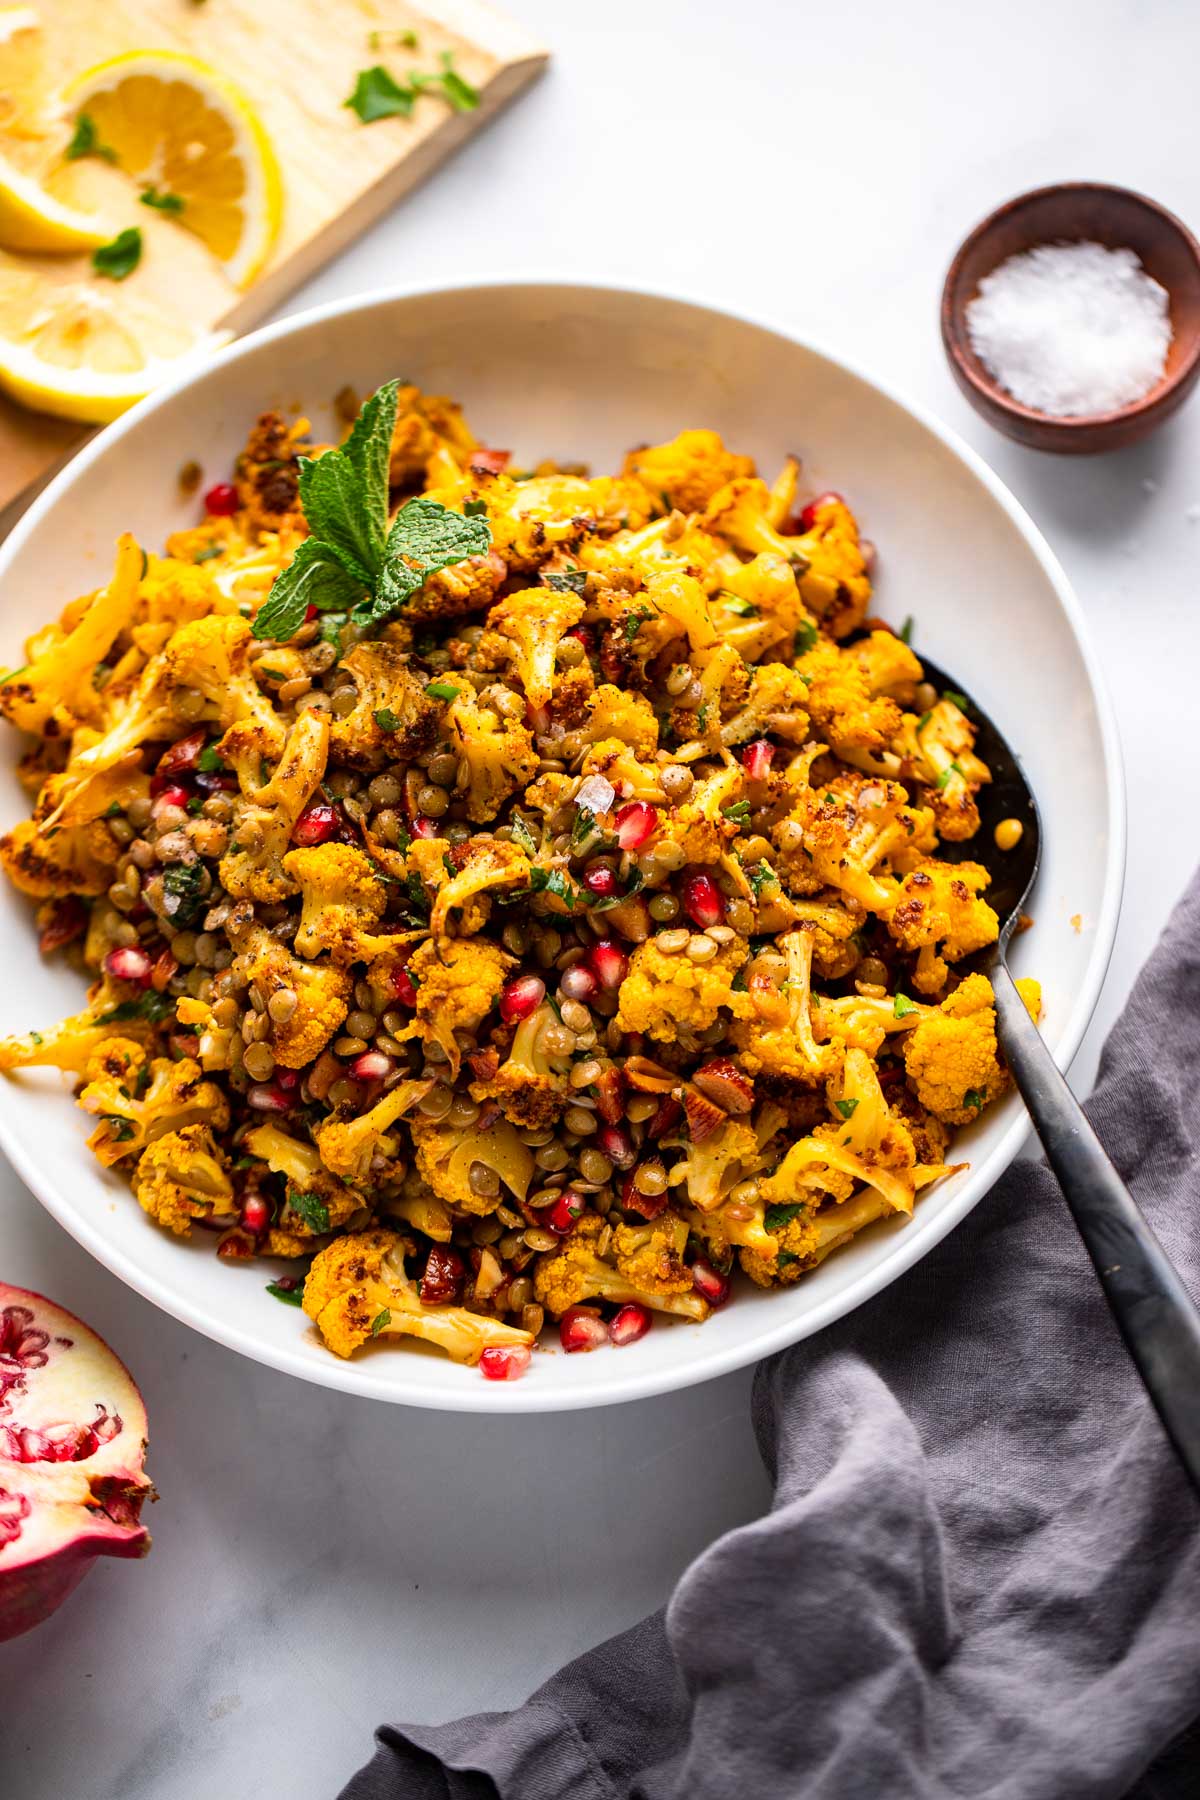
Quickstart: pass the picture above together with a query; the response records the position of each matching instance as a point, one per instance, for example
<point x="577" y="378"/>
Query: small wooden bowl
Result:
<point x="1073" y="212"/>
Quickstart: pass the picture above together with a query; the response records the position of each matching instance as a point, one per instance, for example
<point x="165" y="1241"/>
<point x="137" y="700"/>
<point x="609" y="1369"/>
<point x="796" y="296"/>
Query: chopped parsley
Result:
<point x="387" y="720"/>
<point x="975" y="1098"/>
<point x="114" y="811"/>
<point x="207" y="554"/>
<point x="475" y="509"/>
<point x="957" y="699"/>
<point x="380" y="1322"/>
<point x="184" y="889"/>
<point x="120" y="257"/>
<point x="903" y="1007"/>
<point x="208" y="761"/>
<point x="151" y="1007"/>
<point x="553" y="881"/>
<point x="566" y="581"/>
<point x="120" y="1128"/>
<point x="761" y="875"/>
<point x="164" y="202"/>
<point x="582" y="829"/>
<point x="311" y="1209"/>
<point x="633" y="622"/>
<point x="441" y="690"/>
<point x="288" y="1289"/>
<point x="735" y="604"/>
<point x="805" y="638"/>
<point x="523" y="836"/>
<point x="86" y="142"/>
<point x="847" y="1108"/>
<point x="776" y="1217"/>
<point x="906" y="630"/>
<point x="738" y="813"/>
<point x="954" y="768"/>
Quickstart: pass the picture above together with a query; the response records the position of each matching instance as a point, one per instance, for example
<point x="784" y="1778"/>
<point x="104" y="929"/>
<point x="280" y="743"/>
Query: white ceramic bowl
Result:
<point x="585" y="372"/>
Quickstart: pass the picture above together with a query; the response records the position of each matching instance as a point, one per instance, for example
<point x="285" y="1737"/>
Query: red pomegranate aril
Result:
<point x="236" y="1245"/>
<point x="610" y="963"/>
<point x="582" y="1328"/>
<point x="402" y="987"/>
<point x="600" y="879"/>
<point x="267" y="1096"/>
<point x="287" y="1079"/>
<point x="585" y="635"/>
<point x="129" y="964"/>
<point x="809" y="514"/>
<point x="635" y="824"/>
<point x="424" y="827"/>
<point x="170" y="795"/>
<point x="521" y="996"/>
<point x="709" y="1283"/>
<point x="65" y="920"/>
<point x="578" y="983"/>
<point x="221" y="500"/>
<point x="615" y="1142"/>
<point x="372" y="1065"/>
<point x="496" y="1364"/>
<point x="443" y="1278"/>
<point x="256" y="1214"/>
<point x="183" y="755"/>
<point x="629" y="1324"/>
<point x="703" y="901"/>
<point x="316" y="825"/>
<point x="565" y="1214"/>
<point x="757" y="759"/>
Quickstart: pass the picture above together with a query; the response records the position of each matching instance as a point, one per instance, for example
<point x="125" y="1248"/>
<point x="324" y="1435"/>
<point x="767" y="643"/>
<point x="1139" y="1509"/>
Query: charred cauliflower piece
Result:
<point x="137" y="1103"/>
<point x="393" y="719"/>
<point x="358" y="1288"/>
<point x="938" y="912"/>
<point x="265" y="815"/>
<point x="534" y="622"/>
<point x="686" y="472"/>
<point x="663" y="993"/>
<point x="342" y="899"/>
<point x="182" y="1177"/>
<point x="322" y="995"/>
<point x="498" y="751"/>
<point x="458" y="982"/>
<point x="952" y="1057"/>
<point x="653" y="1274"/>
<point x="531" y="1085"/>
<point x="446" y="1152"/>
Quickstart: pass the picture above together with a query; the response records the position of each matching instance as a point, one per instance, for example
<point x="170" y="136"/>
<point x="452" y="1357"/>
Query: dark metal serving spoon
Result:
<point x="1152" y="1308"/>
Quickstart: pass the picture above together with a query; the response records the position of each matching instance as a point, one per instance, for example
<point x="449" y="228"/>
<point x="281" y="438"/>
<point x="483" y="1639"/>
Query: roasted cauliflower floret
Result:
<point x="534" y="622"/>
<point x="872" y="1146"/>
<point x="777" y="703"/>
<point x="830" y="570"/>
<point x="393" y="719"/>
<point x="49" y="861"/>
<point x="58" y="686"/>
<point x="427" y="426"/>
<point x="447" y="1152"/>
<point x="137" y="1103"/>
<point x="315" y="1201"/>
<point x="626" y="717"/>
<point x="342" y="898"/>
<point x="663" y="994"/>
<point x="183" y="1176"/>
<point x="488" y="863"/>
<point x="575" y="1273"/>
<point x="357" y="1289"/>
<point x="938" y="912"/>
<point x="322" y="995"/>
<point x="857" y="726"/>
<point x="530" y="1086"/>
<point x="499" y="753"/>
<point x="266" y="812"/>
<point x="839" y="837"/>
<point x="758" y="608"/>
<point x="776" y="1033"/>
<point x="709" y="1169"/>
<point x="805" y="1233"/>
<point x="73" y="1042"/>
<point x="939" y="750"/>
<point x="889" y="666"/>
<point x="458" y="982"/>
<point x="952" y="1057"/>
<point x="348" y="1146"/>
<point x="685" y="473"/>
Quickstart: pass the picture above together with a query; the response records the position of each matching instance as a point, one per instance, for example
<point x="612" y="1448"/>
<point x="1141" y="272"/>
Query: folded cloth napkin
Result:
<point x="981" y="1572"/>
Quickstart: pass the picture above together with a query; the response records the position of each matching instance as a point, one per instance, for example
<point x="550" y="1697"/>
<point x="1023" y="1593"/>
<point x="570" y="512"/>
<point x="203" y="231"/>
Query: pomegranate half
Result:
<point x="72" y="1443"/>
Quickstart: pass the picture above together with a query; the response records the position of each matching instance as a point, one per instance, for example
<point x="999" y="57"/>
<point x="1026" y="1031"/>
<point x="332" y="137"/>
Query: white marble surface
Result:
<point x="323" y="1563"/>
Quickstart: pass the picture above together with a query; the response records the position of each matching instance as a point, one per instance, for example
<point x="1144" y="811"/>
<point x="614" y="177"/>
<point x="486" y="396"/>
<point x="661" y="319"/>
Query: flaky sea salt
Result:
<point x="1071" y="329"/>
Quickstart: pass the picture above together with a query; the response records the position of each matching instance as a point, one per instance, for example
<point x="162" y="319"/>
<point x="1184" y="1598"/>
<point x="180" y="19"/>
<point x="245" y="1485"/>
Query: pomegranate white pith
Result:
<point x="72" y="1443"/>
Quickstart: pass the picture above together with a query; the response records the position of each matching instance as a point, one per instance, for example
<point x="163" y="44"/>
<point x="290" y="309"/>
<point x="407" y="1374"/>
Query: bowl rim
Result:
<point x="908" y="1248"/>
<point x="957" y="344"/>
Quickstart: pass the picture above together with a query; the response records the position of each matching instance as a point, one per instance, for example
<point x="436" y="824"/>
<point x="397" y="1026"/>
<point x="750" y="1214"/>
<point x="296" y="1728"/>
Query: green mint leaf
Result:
<point x="776" y="1217"/>
<point x="184" y="899"/>
<point x="433" y="537"/>
<point x="475" y="509"/>
<point x="903" y="1007"/>
<point x="380" y="1322"/>
<point x="311" y="1209"/>
<point x="847" y="1108"/>
<point x="387" y="720"/>
<point x="738" y="813"/>
<point x="345" y="492"/>
<point x="805" y="638"/>
<point x="164" y="202"/>
<point x="442" y="690"/>
<point x="566" y="581"/>
<point x="84" y="141"/>
<point x="121" y="257"/>
<point x="906" y="630"/>
<point x="314" y="577"/>
<point x="377" y="96"/>
<point x="283" y="1289"/>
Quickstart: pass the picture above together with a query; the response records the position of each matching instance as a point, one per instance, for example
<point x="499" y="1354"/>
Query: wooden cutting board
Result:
<point x="296" y="61"/>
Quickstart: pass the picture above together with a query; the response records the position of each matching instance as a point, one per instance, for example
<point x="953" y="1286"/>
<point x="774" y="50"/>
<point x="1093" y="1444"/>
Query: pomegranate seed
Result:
<point x="287" y="1079"/>
<point x="316" y="825"/>
<point x="182" y="757"/>
<point x="236" y="1245"/>
<point x="267" y="1096"/>
<point x="578" y="983"/>
<point x="702" y="900"/>
<point x="496" y="1364"/>
<point x="615" y="1142"/>
<point x="586" y="636"/>
<point x="521" y="996"/>
<point x="66" y="920"/>
<point x="221" y="500"/>
<point x="609" y="962"/>
<point x="581" y="1328"/>
<point x="424" y="827"/>
<point x="171" y="795"/>
<point x="757" y="759"/>
<point x="372" y="1065"/>
<point x="629" y="1324"/>
<point x="709" y="1282"/>
<point x="565" y="1214"/>
<point x="635" y="824"/>
<point x="489" y="462"/>
<point x="600" y="879"/>
<point x="402" y="987"/>
<point x="443" y="1278"/>
<point x="256" y="1214"/>
<point x="808" y="517"/>
<point x="129" y="965"/>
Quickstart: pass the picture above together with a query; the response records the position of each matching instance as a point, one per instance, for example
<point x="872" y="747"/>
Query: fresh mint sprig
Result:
<point x="352" y="566"/>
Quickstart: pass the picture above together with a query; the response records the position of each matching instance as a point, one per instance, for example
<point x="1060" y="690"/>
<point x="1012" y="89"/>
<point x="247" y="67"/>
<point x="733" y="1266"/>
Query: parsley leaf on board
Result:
<point x="86" y="142"/>
<point x="121" y="257"/>
<point x="165" y="202"/>
<point x="377" y="95"/>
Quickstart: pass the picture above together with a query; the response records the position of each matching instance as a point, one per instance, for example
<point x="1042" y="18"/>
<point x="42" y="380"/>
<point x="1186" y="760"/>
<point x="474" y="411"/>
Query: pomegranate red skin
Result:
<point x="100" y="1455"/>
<point x="703" y="901"/>
<point x="221" y="500"/>
<point x="812" y="512"/>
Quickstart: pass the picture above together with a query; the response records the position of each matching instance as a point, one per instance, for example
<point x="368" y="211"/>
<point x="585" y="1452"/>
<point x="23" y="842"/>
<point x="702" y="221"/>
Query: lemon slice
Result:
<point x="32" y="217"/>
<point x="174" y="124"/>
<point x="69" y="350"/>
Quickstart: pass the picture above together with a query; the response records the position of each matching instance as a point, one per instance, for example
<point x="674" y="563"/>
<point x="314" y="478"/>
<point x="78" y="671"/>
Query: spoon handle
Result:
<point x="1152" y="1308"/>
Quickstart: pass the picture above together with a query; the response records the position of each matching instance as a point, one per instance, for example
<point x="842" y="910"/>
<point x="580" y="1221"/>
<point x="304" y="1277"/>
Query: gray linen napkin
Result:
<point x="981" y="1572"/>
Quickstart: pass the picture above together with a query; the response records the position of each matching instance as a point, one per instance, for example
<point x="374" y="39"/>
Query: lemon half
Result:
<point x="82" y="354"/>
<point x="173" y="123"/>
<point x="31" y="217"/>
